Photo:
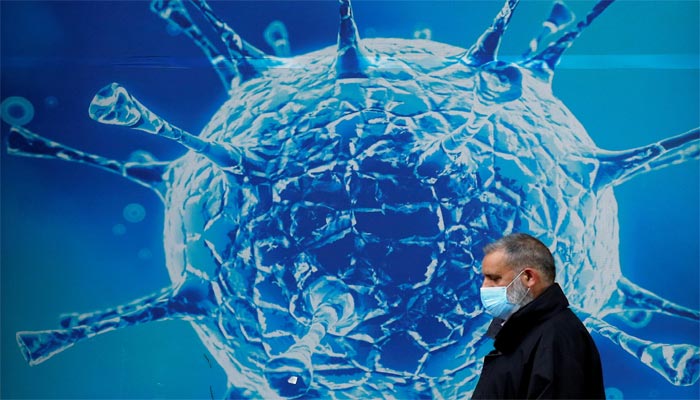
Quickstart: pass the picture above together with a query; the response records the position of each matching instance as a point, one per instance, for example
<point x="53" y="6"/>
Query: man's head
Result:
<point x="520" y="257"/>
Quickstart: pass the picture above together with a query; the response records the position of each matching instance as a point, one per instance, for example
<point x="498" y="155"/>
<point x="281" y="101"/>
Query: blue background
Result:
<point x="631" y="79"/>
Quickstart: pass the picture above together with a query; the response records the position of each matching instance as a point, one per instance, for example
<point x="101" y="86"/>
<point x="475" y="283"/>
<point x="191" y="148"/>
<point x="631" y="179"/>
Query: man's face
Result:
<point x="495" y="270"/>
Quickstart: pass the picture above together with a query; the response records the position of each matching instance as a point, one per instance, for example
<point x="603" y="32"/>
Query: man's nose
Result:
<point x="487" y="283"/>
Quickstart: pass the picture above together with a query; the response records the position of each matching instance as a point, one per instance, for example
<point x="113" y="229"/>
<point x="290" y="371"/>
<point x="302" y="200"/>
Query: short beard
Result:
<point x="519" y="294"/>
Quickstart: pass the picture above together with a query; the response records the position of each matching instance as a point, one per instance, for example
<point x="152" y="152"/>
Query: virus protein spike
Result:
<point x="629" y="296"/>
<point x="617" y="167"/>
<point x="113" y="105"/>
<point x="350" y="62"/>
<point x="174" y="12"/>
<point x="333" y="311"/>
<point x="560" y="17"/>
<point x="187" y="301"/>
<point x="250" y="61"/>
<point x="277" y="37"/>
<point x="23" y="142"/>
<point x="678" y="363"/>
<point x="551" y="55"/>
<point x="486" y="46"/>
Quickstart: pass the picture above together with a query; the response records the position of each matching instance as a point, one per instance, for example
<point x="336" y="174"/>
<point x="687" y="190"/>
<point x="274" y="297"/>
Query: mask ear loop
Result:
<point x="526" y="292"/>
<point x="516" y="277"/>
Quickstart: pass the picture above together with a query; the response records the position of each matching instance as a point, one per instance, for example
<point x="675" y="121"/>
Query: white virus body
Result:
<point x="323" y="234"/>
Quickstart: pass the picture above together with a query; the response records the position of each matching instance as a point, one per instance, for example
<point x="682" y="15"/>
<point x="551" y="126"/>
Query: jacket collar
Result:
<point x="514" y="329"/>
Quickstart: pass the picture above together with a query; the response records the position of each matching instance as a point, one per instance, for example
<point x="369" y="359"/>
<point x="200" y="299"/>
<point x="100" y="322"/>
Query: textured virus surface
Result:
<point x="322" y="235"/>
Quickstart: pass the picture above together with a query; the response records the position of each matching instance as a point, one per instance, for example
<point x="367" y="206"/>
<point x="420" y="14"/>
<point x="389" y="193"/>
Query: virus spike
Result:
<point x="560" y="17"/>
<point x="113" y="105"/>
<point x="277" y="37"/>
<point x="678" y="363"/>
<point x="187" y="302"/>
<point x="174" y="12"/>
<point x="240" y="51"/>
<point x="617" y="167"/>
<point x="486" y="46"/>
<point x="73" y="320"/>
<point x="350" y="62"/>
<point x="551" y="55"/>
<point x="23" y="142"/>
<point x="629" y="296"/>
<point x="291" y="373"/>
<point x="333" y="311"/>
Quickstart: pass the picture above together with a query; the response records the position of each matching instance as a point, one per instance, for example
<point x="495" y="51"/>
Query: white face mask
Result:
<point x="495" y="300"/>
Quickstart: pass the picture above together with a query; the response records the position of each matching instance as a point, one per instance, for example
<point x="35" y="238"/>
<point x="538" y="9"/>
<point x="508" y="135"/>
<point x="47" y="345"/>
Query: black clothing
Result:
<point x="543" y="351"/>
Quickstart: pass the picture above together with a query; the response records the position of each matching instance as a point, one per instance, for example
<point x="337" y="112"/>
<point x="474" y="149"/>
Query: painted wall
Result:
<point x="70" y="241"/>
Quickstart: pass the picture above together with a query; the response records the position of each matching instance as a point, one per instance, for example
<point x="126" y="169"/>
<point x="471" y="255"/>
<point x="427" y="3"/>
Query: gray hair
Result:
<point x="522" y="250"/>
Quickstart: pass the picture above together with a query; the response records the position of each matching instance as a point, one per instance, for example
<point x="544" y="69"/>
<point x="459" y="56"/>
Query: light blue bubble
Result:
<point x="119" y="229"/>
<point x="51" y="101"/>
<point x="134" y="212"/>
<point x="17" y="111"/>
<point x="173" y="30"/>
<point x="613" y="393"/>
<point x="145" y="254"/>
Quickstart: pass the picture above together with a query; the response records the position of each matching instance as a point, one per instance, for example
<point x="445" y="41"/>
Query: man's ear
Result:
<point x="532" y="276"/>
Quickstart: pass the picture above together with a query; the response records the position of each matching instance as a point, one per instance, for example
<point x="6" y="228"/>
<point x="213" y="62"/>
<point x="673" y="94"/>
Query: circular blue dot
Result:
<point x="17" y="111"/>
<point x="134" y="212"/>
<point x="51" y="101"/>
<point x="173" y="29"/>
<point x="145" y="254"/>
<point x="613" y="393"/>
<point x="119" y="229"/>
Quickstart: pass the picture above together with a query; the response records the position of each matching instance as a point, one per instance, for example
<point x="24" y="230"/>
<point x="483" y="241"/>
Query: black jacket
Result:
<point x="543" y="351"/>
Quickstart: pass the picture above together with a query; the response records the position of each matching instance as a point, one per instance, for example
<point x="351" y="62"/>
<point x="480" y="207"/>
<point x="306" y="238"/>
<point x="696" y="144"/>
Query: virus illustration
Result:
<point x="323" y="233"/>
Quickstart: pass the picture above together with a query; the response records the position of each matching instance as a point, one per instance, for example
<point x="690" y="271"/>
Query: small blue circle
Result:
<point x="119" y="229"/>
<point x="51" y="101"/>
<point x="145" y="254"/>
<point x="173" y="29"/>
<point x="134" y="212"/>
<point x="17" y="111"/>
<point x="613" y="393"/>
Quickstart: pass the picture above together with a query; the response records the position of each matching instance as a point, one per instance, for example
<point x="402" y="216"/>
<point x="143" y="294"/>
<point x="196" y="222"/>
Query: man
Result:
<point x="542" y="350"/>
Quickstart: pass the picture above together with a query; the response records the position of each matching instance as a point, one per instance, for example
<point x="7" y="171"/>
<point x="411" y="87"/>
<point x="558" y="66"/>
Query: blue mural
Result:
<point x="322" y="231"/>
